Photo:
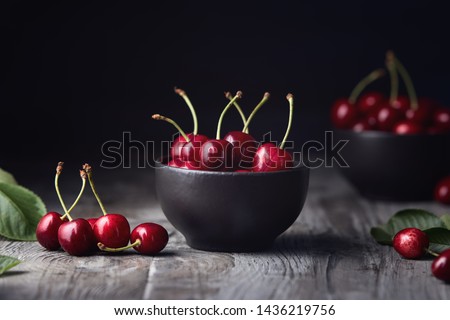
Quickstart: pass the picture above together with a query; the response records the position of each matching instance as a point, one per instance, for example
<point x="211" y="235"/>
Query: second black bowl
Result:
<point x="387" y="166"/>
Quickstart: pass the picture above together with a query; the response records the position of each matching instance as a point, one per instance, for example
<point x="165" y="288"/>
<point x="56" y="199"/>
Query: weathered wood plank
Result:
<point x="327" y="254"/>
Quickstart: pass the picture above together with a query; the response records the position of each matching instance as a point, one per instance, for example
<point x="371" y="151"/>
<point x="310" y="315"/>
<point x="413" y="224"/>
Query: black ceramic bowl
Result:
<point x="229" y="211"/>
<point x="386" y="166"/>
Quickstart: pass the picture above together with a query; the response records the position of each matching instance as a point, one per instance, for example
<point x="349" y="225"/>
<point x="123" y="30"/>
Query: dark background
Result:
<point x="76" y="75"/>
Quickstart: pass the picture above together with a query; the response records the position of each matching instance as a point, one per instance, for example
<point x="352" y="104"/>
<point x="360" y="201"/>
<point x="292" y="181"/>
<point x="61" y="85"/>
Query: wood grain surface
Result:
<point x="327" y="254"/>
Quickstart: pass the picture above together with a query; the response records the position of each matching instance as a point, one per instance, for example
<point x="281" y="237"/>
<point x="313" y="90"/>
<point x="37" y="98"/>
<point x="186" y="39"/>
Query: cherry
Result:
<point x="363" y="125"/>
<point x="244" y="145"/>
<point x="343" y="114"/>
<point x="442" y="191"/>
<point x="401" y="103"/>
<point x="151" y="238"/>
<point x="76" y="237"/>
<point x="92" y="222"/>
<point x="421" y="115"/>
<point x="411" y="243"/>
<point x="407" y="127"/>
<point x="441" y="266"/>
<point x="47" y="230"/>
<point x="387" y="117"/>
<point x="441" y="119"/>
<point x="368" y="101"/>
<point x="113" y="230"/>
<point x="269" y="157"/>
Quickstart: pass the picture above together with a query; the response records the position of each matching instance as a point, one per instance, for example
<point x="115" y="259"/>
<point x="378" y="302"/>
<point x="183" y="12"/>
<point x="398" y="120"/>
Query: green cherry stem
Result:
<point x="371" y="77"/>
<point x="88" y="169"/>
<point x="63" y="205"/>
<point x="160" y="117"/>
<point x="222" y="115"/>
<point x="255" y="110"/>
<point x="432" y="252"/>
<point x="238" y="108"/>
<point x="102" y="247"/>
<point x="183" y="94"/>
<point x="83" y="176"/>
<point x="390" y="65"/>
<point x="408" y="83"/>
<point x="289" y="98"/>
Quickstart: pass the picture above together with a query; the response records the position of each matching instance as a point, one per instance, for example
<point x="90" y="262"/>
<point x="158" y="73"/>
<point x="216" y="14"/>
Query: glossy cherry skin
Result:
<point x="387" y="117"/>
<point x="343" y="114"/>
<point x="244" y="148"/>
<point x="401" y="103"/>
<point x="76" y="237"/>
<point x="441" y="119"/>
<point x="407" y="127"/>
<point x="362" y="125"/>
<point x="47" y="230"/>
<point x="113" y="230"/>
<point x="269" y="158"/>
<point x="153" y="237"/>
<point x="442" y="191"/>
<point x="423" y="115"/>
<point x="191" y="151"/>
<point x="411" y="243"/>
<point x="92" y="222"/>
<point x="441" y="266"/>
<point x="369" y="101"/>
<point x="217" y="155"/>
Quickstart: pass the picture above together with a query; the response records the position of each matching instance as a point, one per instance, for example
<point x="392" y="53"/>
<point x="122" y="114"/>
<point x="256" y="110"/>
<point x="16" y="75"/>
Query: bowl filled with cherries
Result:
<point x="230" y="193"/>
<point x="398" y="146"/>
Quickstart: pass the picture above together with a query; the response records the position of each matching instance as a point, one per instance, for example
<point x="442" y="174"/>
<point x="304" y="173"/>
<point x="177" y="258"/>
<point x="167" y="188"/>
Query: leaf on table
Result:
<point x="7" y="177"/>
<point x="439" y="239"/>
<point x="7" y="263"/>
<point x="446" y="219"/>
<point x="381" y="235"/>
<point x="20" y="212"/>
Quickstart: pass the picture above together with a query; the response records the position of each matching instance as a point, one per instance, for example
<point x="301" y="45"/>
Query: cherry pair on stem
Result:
<point x="112" y="231"/>
<point x="236" y="151"/>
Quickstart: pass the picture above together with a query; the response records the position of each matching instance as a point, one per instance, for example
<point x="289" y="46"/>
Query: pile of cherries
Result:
<point x="413" y="243"/>
<point x="398" y="114"/>
<point x="110" y="232"/>
<point x="237" y="151"/>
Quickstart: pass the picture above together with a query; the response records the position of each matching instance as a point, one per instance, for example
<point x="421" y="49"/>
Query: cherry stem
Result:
<point x="88" y="169"/>
<point x="390" y="65"/>
<point x="408" y="83"/>
<point x="183" y="94"/>
<point x="160" y="117"/>
<point x="222" y="115"/>
<point x="83" y="185"/>
<point x="371" y="77"/>
<point x="63" y="205"/>
<point x="238" y="108"/>
<point x="289" y="98"/>
<point x="432" y="252"/>
<point x="102" y="247"/>
<point x="255" y="110"/>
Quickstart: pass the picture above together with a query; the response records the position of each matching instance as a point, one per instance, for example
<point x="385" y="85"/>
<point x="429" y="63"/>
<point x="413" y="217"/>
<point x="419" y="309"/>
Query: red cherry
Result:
<point x="343" y="114"/>
<point x="112" y="230"/>
<point x="422" y="115"/>
<point x="387" y="117"/>
<point x="216" y="155"/>
<point x="92" y="221"/>
<point x="362" y="125"/>
<point x="153" y="238"/>
<point x="429" y="103"/>
<point x="441" y="119"/>
<point x="407" y="127"/>
<point x="401" y="103"/>
<point x="47" y="230"/>
<point x="368" y="101"/>
<point x="442" y="191"/>
<point x="244" y="148"/>
<point x="76" y="237"/>
<point x="441" y="266"/>
<point x="411" y="243"/>
<point x="269" y="157"/>
<point x="190" y="151"/>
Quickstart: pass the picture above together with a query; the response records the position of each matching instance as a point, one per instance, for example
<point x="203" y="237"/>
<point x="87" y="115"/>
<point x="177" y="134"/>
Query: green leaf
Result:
<point x="7" y="263"/>
<point x="446" y="219"/>
<point x="20" y="212"/>
<point x="7" y="177"/>
<point x="381" y="235"/>
<point x="439" y="239"/>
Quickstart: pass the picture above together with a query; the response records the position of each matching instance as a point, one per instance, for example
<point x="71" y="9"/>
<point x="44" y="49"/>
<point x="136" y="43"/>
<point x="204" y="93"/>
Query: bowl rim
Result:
<point x="384" y="134"/>
<point x="300" y="166"/>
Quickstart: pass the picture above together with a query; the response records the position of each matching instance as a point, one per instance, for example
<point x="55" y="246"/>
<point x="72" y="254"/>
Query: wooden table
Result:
<point x="327" y="254"/>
